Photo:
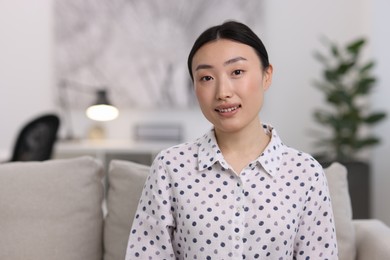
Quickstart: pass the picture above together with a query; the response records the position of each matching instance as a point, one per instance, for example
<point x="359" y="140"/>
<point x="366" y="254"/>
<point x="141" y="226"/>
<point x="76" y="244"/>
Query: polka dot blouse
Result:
<point x="194" y="206"/>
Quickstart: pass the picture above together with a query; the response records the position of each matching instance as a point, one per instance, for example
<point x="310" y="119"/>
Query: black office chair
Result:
<point x="36" y="139"/>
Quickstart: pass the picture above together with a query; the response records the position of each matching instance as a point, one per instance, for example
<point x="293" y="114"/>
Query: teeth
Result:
<point x="225" y="110"/>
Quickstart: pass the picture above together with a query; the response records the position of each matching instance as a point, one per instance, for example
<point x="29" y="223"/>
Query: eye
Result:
<point x="237" y="72"/>
<point x="206" y="78"/>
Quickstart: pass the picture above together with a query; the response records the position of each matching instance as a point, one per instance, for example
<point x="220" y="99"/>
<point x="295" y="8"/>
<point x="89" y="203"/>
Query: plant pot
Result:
<point x="359" y="187"/>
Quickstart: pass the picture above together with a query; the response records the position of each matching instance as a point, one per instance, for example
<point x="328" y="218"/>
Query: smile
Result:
<point x="226" y="110"/>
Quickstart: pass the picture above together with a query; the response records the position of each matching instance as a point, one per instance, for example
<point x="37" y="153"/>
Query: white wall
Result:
<point x="25" y="64"/>
<point x="292" y="32"/>
<point x="380" y="101"/>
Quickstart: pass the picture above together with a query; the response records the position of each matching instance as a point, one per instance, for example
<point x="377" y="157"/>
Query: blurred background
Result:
<point x="35" y="51"/>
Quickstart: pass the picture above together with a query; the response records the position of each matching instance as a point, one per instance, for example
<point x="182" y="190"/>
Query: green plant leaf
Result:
<point x="334" y="50"/>
<point x="368" y="141"/>
<point x="331" y="75"/>
<point x="364" y="85"/>
<point x="336" y="124"/>
<point x="375" y="118"/>
<point x="338" y="97"/>
<point x="321" y="116"/>
<point x="344" y="67"/>
<point x="354" y="47"/>
<point x="367" y="67"/>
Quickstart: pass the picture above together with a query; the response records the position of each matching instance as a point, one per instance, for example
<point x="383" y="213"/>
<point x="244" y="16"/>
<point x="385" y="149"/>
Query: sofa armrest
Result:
<point x="372" y="239"/>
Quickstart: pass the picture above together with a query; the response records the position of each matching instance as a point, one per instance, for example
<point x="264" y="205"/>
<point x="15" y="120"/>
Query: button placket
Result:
<point x="238" y="220"/>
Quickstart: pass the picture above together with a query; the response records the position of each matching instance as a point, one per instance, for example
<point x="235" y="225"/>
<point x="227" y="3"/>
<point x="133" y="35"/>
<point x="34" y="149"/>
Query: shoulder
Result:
<point x="179" y="150"/>
<point x="291" y="156"/>
<point x="188" y="149"/>
<point x="302" y="161"/>
<point x="300" y="157"/>
<point x="180" y="155"/>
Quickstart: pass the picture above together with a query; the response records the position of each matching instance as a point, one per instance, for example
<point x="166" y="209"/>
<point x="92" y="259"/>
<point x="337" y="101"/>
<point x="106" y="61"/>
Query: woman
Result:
<point x="237" y="192"/>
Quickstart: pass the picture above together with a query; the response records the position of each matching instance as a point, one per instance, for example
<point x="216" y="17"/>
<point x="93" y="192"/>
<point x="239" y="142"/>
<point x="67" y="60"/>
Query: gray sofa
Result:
<point x="58" y="210"/>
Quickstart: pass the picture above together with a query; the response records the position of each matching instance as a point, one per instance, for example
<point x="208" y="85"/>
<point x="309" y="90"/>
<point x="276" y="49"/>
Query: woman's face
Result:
<point x="229" y="83"/>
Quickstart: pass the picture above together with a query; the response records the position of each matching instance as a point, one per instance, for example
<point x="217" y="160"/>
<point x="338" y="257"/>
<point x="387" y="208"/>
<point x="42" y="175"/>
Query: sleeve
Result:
<point x="151" y="233"/>
<point x="316" y="236"/>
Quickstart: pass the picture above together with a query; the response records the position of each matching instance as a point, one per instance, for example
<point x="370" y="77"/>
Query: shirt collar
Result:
<point x="209" y="152"/>
<point x="271" y="158"/>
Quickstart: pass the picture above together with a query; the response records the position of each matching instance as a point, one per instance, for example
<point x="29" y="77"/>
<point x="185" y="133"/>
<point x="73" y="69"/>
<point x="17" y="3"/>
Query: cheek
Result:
<point x="202" y="94"/>
<point x="252" y="86"/>
<point x="198" y="93"/>
<point x="254" y="93"/>
<point x="204" y="101"/>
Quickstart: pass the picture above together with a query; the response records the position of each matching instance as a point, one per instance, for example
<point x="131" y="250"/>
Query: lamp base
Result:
<point x="96" y="132"/>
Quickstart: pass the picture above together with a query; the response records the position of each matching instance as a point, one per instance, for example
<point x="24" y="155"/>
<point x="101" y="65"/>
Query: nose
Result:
<point x="224" y="89"/>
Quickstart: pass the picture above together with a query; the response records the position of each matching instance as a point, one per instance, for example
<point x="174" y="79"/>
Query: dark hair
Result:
<point x="234" y="31"/>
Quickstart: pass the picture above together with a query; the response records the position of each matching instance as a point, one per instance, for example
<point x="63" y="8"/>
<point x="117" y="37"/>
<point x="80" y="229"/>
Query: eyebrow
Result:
<point x="228" y="62"/>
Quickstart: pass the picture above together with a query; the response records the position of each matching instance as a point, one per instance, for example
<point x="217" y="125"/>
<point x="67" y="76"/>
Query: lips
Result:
<point x="227" y="109"/>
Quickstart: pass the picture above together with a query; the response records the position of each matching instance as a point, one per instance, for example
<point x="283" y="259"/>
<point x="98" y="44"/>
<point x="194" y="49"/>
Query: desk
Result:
<point x="107" y="150"/>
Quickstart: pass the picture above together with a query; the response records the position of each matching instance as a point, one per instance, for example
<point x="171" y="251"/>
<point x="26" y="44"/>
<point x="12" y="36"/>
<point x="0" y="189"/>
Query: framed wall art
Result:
<point x="137" y="49"/>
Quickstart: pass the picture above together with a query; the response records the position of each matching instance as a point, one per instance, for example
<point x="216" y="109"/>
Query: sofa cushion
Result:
<point x="51" y="210"/>
<point x="336" y="175"/>
<point x="126" y="181"/>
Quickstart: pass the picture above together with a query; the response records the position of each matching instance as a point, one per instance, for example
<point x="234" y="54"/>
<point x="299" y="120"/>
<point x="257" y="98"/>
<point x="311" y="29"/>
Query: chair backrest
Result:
<point x="36" y="139"/>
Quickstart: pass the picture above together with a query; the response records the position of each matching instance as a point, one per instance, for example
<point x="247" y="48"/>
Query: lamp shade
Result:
<point x="102" y="110"/>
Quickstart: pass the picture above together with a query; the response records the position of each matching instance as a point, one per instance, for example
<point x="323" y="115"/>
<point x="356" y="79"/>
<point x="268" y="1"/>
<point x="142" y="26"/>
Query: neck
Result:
<point x="241" y="147"/>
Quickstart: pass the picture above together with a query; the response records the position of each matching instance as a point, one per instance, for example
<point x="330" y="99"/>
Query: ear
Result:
<point x="267" y="77"/>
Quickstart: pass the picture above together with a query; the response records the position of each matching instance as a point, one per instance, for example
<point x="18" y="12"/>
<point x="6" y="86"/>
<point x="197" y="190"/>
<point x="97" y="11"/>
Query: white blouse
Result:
<point x="194" y="206"/>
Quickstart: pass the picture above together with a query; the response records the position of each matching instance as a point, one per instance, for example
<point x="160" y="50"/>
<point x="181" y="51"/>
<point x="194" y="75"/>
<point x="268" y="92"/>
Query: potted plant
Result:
<point x="346" y="83"/>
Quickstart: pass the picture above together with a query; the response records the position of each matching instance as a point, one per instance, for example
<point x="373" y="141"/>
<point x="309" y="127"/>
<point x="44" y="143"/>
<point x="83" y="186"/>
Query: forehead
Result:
<point x="222" y="50"/>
